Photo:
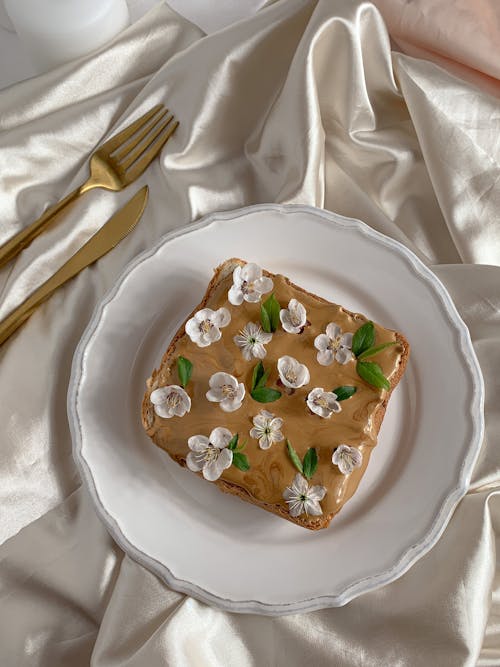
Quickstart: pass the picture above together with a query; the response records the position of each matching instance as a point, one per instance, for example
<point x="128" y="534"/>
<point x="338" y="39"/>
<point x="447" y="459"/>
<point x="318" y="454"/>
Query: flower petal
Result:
<point x="264" y="442"/>
<point x="247" y="352"/>
<point x="159" y="395"/>
<point x="252" y="297"/>
<point x="213" y="470"/>
<point x="202" y="341"/>
<point x="204" y="314"/>
<point x="289" y="493"/>
<point x="255" y="433"/>
<point x="286" y="321"/>
<point x="296" y="508"/>
<point x="346" y="340"/>
<point x="343" y="356"/>
<point x="198" y="443"/>
<point x="252" y="330"/>
<point x="240" y="392"/>
<point x="220" y="437"/>
<point x="192" y="329"/>
<point x="266" y="414"/>
<point x="303" y="376"/>
<point x="220" y="378"/>
<point x="316" y="492"/>
<point x="163" y="411"/>
<point x="258" y="351"/>
<point x="260" y="421"/>
<point x="298" y="310"/>
<point x="321" y="342"/>
<point x="195" y="462"/>
<point x="276" y="422"/>
<point x="300" y="484"/>
<point x="251" y="272"/>
<point x="221" y="317"/>
<point x="325" y="357"/>
<point x="263" y="285"/>
<point x="225" y="458"/>
<point x="265" y="337"/>
<point x="212" y="335"/>
<point x="333" y="330"/>
<point x="237" y="279"/>
<point x="315" y="393"/>
<point x="312" y="507"/>
<point x="230" y="404"/>
<point x="214" y="395"/>
<point x="235" y="296"/>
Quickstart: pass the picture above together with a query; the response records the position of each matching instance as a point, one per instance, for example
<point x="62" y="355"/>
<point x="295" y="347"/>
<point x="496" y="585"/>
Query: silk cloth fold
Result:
<point x="304" y="102"/>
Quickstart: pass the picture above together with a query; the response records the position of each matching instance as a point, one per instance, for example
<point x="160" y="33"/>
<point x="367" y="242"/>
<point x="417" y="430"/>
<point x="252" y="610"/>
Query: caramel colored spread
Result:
<point x="271" y="470"/>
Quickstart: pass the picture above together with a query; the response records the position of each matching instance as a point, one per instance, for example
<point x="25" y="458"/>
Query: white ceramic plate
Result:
<point x="214" y="546"/>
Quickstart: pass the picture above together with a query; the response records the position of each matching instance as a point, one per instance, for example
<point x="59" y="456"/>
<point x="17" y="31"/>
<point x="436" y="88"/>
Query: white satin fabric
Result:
<point x="304" y="102"/>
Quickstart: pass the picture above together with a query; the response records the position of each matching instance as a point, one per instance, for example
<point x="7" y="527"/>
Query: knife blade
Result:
<point x="108" y="236"/>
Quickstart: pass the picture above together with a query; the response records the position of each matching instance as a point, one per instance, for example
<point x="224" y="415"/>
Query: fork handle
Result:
<point x="23" y="238"/>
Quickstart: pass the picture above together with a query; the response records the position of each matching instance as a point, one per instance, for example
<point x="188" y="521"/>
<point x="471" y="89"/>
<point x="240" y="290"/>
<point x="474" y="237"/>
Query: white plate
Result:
<point x="216" y="547"/>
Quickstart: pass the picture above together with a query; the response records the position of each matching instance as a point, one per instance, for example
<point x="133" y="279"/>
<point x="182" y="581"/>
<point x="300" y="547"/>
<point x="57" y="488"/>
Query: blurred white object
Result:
<point x="56" y="31"/>
<point x="210" y="16"/>
<point x="5" y="21"/>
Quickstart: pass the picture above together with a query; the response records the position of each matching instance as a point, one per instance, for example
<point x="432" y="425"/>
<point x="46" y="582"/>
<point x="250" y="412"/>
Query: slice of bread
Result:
<point x="347" y="427"/>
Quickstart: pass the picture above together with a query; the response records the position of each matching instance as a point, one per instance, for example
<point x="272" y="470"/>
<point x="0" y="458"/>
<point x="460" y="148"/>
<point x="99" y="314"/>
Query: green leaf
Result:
<point x="263" y="379"/>
<point x="310" y="462"/>
<point x="184" y="370"/>
<point x="265" y="394"/>
<point x="241" y="461"/>
<point x="363" y="338"/>
<point x="265" y="319"/>
<point x="294" y="456"/>
<point x="272" y="307"/>
<point x="257" y="375"/>
<point x="344" y="392"/>
<point x="375" y="350"/>
<point x="241" y="447"/>
<point x="233" y="443"/>
<point x="372" y="373"/>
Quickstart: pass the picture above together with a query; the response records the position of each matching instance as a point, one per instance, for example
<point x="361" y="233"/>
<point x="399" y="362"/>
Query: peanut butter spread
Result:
<point x="272" y="470"/>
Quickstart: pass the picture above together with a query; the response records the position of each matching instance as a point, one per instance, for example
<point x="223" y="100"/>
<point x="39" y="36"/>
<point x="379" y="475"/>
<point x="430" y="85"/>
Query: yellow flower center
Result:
<point x="211" y="453"/>
<point x="334" y="343"/>
<point x="205" y="326"/>
<point x="228" y="391"/>
<point x="321" y="401"/>
<point x="173" y="400"/>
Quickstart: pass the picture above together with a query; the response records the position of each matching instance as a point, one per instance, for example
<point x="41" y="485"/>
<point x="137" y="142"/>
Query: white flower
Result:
<point x="210" y="455"/>
<point x="266" y="429"/>
<point x="302" y="499"/>
<point x="224" y="389"/>
<point x="171" y="401"/>
<point x="294" y="319"/>
<point x="346" y="458"/>
<point x="292" y="373"/>
<point x="252" y="339"/>
<point x="204" y="327"/>
<point x="333" y="345"/>
<point x="248" y="284"/>
<point x="323" y="403"/>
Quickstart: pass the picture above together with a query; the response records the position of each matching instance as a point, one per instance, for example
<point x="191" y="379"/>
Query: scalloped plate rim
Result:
<point x="412" y="553"/>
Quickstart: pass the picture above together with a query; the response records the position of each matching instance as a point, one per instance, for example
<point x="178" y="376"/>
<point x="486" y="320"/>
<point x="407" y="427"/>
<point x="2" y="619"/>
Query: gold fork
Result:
<point x="113" y="166"/>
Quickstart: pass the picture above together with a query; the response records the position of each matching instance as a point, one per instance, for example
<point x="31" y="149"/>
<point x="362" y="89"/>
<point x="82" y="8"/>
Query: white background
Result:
<point x="15" y="65"/>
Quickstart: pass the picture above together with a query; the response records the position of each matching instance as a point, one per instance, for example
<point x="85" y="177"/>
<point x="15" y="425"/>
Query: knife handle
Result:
<point x="20" y="314"/>
<point x="22" y="239"/>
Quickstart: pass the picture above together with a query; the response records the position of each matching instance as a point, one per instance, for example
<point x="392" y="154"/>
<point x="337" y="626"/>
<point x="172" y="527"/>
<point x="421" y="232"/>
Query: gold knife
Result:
<point x="109" y="235"/>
